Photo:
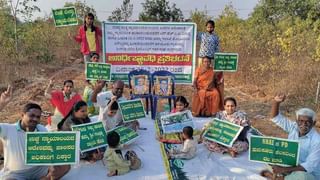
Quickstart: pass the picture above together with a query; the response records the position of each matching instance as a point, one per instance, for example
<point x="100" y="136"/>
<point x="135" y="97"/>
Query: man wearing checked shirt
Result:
<point x="301" y="130"/>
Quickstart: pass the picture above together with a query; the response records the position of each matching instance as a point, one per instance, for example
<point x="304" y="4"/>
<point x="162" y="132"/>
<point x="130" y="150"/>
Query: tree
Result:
<point x="6" y="31"/>
<point x="81" y="8"/>
<point x="159" y="10"/>
<point x="24" y="8"/>
<point x="123" y="13"/>
<point x="200" y="18"/>
<point x="272" y="11"/>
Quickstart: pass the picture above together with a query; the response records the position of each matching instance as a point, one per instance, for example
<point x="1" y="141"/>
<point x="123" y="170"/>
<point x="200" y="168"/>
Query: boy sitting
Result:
<point x="117" y="165"/>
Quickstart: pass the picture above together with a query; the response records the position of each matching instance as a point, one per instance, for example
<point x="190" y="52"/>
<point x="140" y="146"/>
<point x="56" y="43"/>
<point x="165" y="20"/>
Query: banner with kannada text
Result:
<point x="150" y="46"/>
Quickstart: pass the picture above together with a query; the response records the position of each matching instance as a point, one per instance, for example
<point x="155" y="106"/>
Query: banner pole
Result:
<point x="317" y="95"/>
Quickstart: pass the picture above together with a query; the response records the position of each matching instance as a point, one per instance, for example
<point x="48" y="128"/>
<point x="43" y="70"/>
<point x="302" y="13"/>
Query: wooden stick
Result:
<point x="317" y="95"/>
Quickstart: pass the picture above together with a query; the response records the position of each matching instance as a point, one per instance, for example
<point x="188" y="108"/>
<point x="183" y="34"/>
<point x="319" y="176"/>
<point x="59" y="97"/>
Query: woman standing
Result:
<point x="89" y="37"/>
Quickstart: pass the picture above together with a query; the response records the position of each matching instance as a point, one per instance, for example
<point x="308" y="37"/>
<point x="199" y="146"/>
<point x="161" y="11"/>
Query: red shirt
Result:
<point x="81" y="38"/>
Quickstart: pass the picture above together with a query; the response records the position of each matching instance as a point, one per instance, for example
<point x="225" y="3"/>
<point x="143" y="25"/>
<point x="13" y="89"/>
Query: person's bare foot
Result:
<point x="97" y="156"/>
<point x="159" y="137"/>
<point x="267" y="174"/>
<point x="112" y="173"/>
<point x="232" y="153"/>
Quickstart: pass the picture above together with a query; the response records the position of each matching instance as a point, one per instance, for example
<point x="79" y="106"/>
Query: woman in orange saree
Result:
<point x="206" y="97"/>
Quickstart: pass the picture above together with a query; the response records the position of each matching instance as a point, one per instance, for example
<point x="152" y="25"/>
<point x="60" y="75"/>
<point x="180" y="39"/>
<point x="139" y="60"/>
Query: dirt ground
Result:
<point x="254" y="101"/>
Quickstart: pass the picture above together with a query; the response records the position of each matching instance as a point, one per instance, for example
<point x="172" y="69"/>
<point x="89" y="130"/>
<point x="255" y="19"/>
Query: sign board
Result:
<point x="274" y="150"/>
<point x="223" y="132"/>
<point x="226" y="62"/>
<point x="65" y="16"/>
<point x="98" y="71"/>
<point x="132" y="110"/>
<point x="175" y="122"/>
<point x="92" y="136"/>
<point x="152" y="46"/>
<point x="127" y="135"/>
<point x="52" y="148"/>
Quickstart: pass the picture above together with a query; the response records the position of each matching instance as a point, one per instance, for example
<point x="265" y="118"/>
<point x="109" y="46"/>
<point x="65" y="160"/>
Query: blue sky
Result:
<point x="105" y="7"/>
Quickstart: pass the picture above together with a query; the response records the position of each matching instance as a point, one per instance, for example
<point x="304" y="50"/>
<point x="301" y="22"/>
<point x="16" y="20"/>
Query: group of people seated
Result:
<point x="70" y="109"/>
<point x="109" y="114"/>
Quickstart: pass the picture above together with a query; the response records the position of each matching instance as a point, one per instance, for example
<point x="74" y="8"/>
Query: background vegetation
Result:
<point x="279" y="44"/>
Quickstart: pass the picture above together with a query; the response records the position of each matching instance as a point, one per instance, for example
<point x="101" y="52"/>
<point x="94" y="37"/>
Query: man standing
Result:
<point x="301" y="130"/>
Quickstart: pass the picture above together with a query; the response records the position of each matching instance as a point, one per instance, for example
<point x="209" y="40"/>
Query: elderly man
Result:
<point x="13" y="140"/>
<point x="103" y="99"/>
<point x="303" y="131"/>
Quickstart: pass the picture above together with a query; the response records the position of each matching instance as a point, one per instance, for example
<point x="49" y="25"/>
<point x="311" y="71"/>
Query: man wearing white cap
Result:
<point x="301" y="130"/>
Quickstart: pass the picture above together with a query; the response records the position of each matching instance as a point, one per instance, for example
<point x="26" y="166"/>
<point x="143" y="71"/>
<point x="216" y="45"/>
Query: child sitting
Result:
<point x="189" y="146"/>
<point x="95" y="57"/>
<point x="117" y="165"/>
<point x="181" y="104"/>
<point x="111" y="118"/>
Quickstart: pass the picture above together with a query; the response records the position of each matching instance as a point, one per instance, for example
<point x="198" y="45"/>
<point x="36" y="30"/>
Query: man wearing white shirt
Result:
<point x="13" y="140"/>
<point x="103" y="98"/>
<point x="301" y="130"/>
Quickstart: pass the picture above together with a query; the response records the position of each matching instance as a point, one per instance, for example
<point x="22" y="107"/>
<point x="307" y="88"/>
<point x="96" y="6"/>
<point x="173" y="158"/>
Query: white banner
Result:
<point x="151" y="46"/>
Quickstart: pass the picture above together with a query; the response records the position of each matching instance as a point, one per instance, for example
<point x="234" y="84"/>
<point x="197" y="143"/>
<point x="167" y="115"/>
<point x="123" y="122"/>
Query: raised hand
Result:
<point x="51" y="82"/>
<point x="99" y="85"/>
<point x="114" y="98"/>
<point x="6" y="96"/>
<point x="279" y="98"/>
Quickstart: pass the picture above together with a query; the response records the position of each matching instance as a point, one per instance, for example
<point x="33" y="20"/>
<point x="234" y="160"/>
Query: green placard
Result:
<point x="274" y="150"/>
<point x="65" y="16"/>
<point x="52" y="148"/>
<point x="223" y="132"/>
<point x="95" y="71"/>
<point x="92" y="135"/>
<point x="132" y="110"/>
<point x="127" y="135"/>
<point x="226" y="62"/>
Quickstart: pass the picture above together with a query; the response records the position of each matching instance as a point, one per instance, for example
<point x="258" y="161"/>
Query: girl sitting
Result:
<point x="181" y="104"/>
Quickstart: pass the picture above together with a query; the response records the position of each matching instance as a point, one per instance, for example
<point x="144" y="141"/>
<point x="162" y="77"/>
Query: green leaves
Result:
<point x="160" y="11"/>
<point x="123" y="13"/>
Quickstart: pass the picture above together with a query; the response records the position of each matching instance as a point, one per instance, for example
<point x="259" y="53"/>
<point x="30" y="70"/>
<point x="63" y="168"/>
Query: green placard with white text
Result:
<point x="222" y="132"/>
<point x="127" y="135"/>
<point x="92" y="136"/>
<point x="274" y="150"/>
<point x="52" y="148"/>
<point x="226" y="62"/>
<point x="98" y="71"/>
<point x="132" y="110"/>
<point x="65" y="16"/>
